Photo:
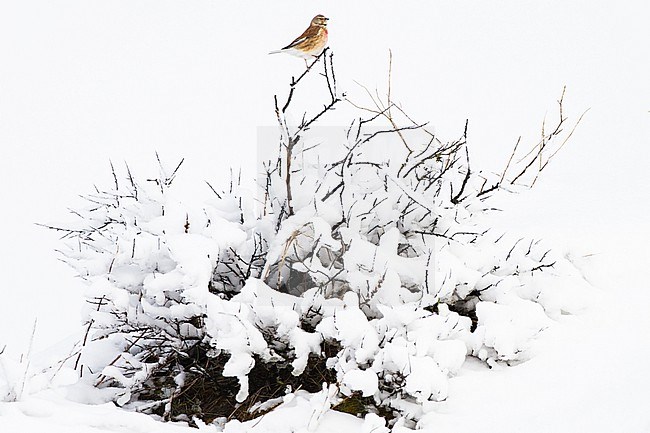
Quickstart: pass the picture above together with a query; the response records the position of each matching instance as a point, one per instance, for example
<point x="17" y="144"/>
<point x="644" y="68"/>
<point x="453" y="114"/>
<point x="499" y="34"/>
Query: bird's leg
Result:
<point x="306" y="64"/>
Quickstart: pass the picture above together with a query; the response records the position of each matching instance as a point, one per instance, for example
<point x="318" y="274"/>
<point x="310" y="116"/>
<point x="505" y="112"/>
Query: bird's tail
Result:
<point x="276" y="52"/>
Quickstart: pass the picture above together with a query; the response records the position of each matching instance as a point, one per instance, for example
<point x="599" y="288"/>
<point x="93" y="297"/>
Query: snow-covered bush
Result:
<point x="368" y="275"/>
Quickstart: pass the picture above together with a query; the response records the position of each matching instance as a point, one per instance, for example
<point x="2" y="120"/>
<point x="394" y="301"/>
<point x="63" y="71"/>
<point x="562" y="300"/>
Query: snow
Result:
<point x="586" y="376"/>
<point x="76" y="92"/>
<point x="361" y="380"/>
<point x="52" y="412"/>
<point x="508" y="328"/>
<point x="300" y="412"/>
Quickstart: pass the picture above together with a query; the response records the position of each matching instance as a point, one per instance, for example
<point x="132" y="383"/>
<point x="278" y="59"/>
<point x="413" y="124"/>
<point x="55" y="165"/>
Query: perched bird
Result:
<point x="311" y="43"/>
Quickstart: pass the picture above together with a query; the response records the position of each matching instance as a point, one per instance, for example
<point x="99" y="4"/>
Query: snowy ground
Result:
<point x="83" y="82"/>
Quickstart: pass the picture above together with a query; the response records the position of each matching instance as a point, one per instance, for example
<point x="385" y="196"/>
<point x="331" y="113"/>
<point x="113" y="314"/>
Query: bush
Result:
<point x="369" y="277"/>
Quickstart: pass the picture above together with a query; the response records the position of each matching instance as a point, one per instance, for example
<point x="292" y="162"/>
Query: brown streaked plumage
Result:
<point x="311" y="42"/>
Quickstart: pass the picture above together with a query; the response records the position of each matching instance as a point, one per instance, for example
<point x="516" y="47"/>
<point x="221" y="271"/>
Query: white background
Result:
<point x="85" y="81"/>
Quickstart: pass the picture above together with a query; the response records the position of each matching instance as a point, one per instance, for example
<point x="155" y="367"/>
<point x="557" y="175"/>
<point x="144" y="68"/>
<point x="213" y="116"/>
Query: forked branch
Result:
<point x="291" y="138"/>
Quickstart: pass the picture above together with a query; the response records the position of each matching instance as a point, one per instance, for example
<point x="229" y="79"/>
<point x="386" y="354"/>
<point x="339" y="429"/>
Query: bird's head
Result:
<point x="320" y="21"/>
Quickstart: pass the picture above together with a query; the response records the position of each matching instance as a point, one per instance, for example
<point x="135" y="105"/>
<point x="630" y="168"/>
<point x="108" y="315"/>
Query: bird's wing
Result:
<point x="309" y="33"/>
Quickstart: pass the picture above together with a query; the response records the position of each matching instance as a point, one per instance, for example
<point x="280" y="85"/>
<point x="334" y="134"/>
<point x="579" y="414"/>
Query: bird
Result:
<point x="311" y="42"/>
